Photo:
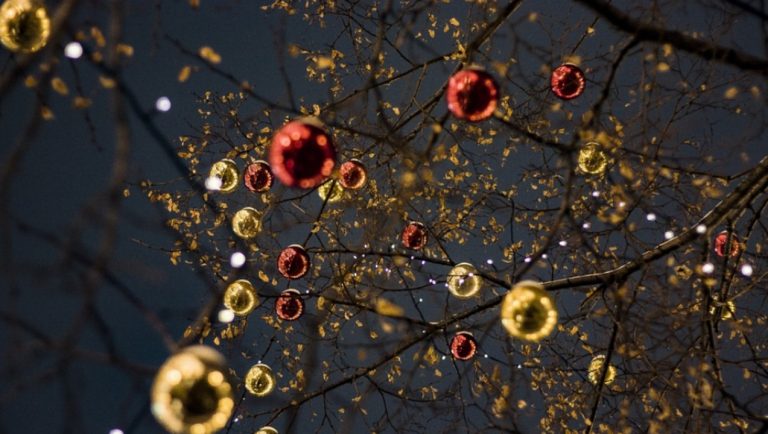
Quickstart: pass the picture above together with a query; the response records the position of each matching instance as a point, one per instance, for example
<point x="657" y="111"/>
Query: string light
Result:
<point x="226" y="316"/>
<point x="213" y="183"/>
<point x="708" y="268"/>
<point x="651" y="217"/>
<point x="237" y="260"/>
<point x="73" y="50"/>
<point x="700" y="229"/>
<point x="746" y="270"/>
<point x="163" y="104"/>
<point x="668" y="235"/>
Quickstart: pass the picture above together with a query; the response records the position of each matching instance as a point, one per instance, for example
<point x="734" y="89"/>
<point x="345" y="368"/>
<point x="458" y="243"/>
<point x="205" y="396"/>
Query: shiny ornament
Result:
<point x="463" y="346"/>
<point x="330" y="192"/>
<point x="463" y="281"/>
<point x="24" y="25"/>
<point x="596" y="370"/>
<point x="240" y="297"/>
<point x="302" y="153"/>
<point x="592" y="159"/>
<point x="414" y="236"/>
<point x="289" y="306"/>
<point x="260" y="380"/>
<point x="191" y="392"/>
<point x="472" y="94"/>
<point x="567" y="81"/>
<point x="721" y="241"/>
<point x="352" y="175"/>
<point x="257" y="177"/>
<point x="293" y="262"/>
<point x="226" y="171"/>
<point x="246" y="223"/>
<point x="528" y="311"/>
<point x="266" y="430"/>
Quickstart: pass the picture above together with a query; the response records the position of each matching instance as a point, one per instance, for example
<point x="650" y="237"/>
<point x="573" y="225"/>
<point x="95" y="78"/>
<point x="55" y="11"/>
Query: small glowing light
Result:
<point x="563" y="243"/>
<point x="527" y="259"/>
<point x="489" y="261"/>
<point x="622" y="204"/>
<point x="586" y="225"/>
<point x="226" y="316"/>
<point x="74" y="50"/>
<point x="651" y="217"/>
<point x="237" y="260"/>
<point x="668" y="235"/>
<point x="595" y="193"/>
<point x="708" y="268"/>
<point x="544" y="256"/>
<point x="700" y="229"/>
<point x="116" y="430"/>
<point x="213" y="183"/>
<point x="746" y="270"/>
<point x="163" y="104"/>
<point x="421" y="300"/>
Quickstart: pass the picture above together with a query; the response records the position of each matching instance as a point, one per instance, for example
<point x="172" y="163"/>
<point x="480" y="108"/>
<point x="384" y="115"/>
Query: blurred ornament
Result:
<point x="463" y="281"/>
<point x="266" y="430"/>
<point x="596" y="368"/>
<point x="289" y="305"/>
<point x="226" y="170"/>
<point x="567" y="81"/>
<point x="240" y="297"/>
<point x="24" y="25"/>
<point x="472" y="94"/>
<point x="258" y="177"/>
<point x="331" y="191"/>
<point x="246" y="223"/>
<point x="728" y="310"/>
<point x="293" y="262"/>
<point x="191" y="392"/>
<point x="414" y="236"/>
<point x="302" y="153"/>
<point x="463" y="346"/>
<point x="352" y="174"/>
<point x="592" y="159"/>
<point x="260" y="381"/>
<point x="721" y="240"/>
<point x="528" y="311"/>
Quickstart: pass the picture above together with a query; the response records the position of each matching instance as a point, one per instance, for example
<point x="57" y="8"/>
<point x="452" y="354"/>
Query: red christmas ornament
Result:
<point x="567" y="81"/>
<point x="414" y="236"/>
<point x="721" y="240"/>
<point x="463" y="346"/>
<point x="289" y="306"/>
<point x="472" y="94"/>
<point x="352" y="175"/>
<point x="258" y="177"/>
<point x="293" y="262"/>
<point x="302" y="154"/>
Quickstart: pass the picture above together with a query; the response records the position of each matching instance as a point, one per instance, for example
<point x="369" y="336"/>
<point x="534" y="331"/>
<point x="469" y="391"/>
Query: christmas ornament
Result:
<point x="293" y="262"/>
<point x="472" y="94"/>
<point x="240" y="297"/>
<point x="258" y="177"/>
<point x="463" y="346"/>
<point x="728" y="310"/>
<point x="528" y="311"/>
<point x="414" y="236"/>
<point x="226" y="171"/>
<point x="191" y="392"/>
<point x="246" y="223"/>
<point x="289" y="306"/>
<point x="596" y="368"/>
<point x="352" y="174"/>
<point x="302" y="153"/>
<point x="592" y="159"/>
<point x="463" y="281"/>
<point x="24" y="25"/>
<point x="567" y="81"/>
<point x="260" y="381"/>
<point x="331" y="191"/>
<point x="721" y="240"/>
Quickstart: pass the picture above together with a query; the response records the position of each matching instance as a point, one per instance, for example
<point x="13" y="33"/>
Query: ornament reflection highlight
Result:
<point x="528" y="311"/>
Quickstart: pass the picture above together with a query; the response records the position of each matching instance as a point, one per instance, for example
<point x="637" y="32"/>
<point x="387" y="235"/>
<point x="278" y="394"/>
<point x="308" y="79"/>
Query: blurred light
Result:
<point x="527" y="259"/>
<point x="668" y="235"/>
<point x="163" y="104"/>
<point x="116" y="430"/>
<point x="651" y="217"/>
<point x="708" y="268"/>
<point x="74" y="50"/>
<point x="586" y="225"/>
<point x="595" y="193"/>
<point x="226" y="316"/>
<point x="489" y="261"/>
<point x="563" y="243"/>
<point x="700" y="229"/>
<point x="746" y="270"/>
<point x="237" y="260"/>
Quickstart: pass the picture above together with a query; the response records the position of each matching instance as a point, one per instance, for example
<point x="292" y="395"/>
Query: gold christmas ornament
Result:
<point x="226" y="171"/>
<point x="240" y="297"/>
<point x="260" y="381"/>
<point x="24" y="25"/>
<point x="191" y="392"/>
<point x="528" y="311"/>
<point x="596" y="368"/>
<point x="592" y="159"/>
<point x="729" y="309"/>
<point x="266" y="430"/>
<point x="246" y="223"/>
<point x="331" y="190"/>
<point x="463" y="281"/>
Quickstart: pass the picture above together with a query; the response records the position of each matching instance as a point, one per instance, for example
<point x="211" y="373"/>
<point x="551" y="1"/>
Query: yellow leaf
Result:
<point x="209" y="54"/>
<point x="387" y="308"/>
<point x="184" y="73"/>
<point x="454" y="22"/>
<point x="59" y="86"/>
<point x="81" y="102"/>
